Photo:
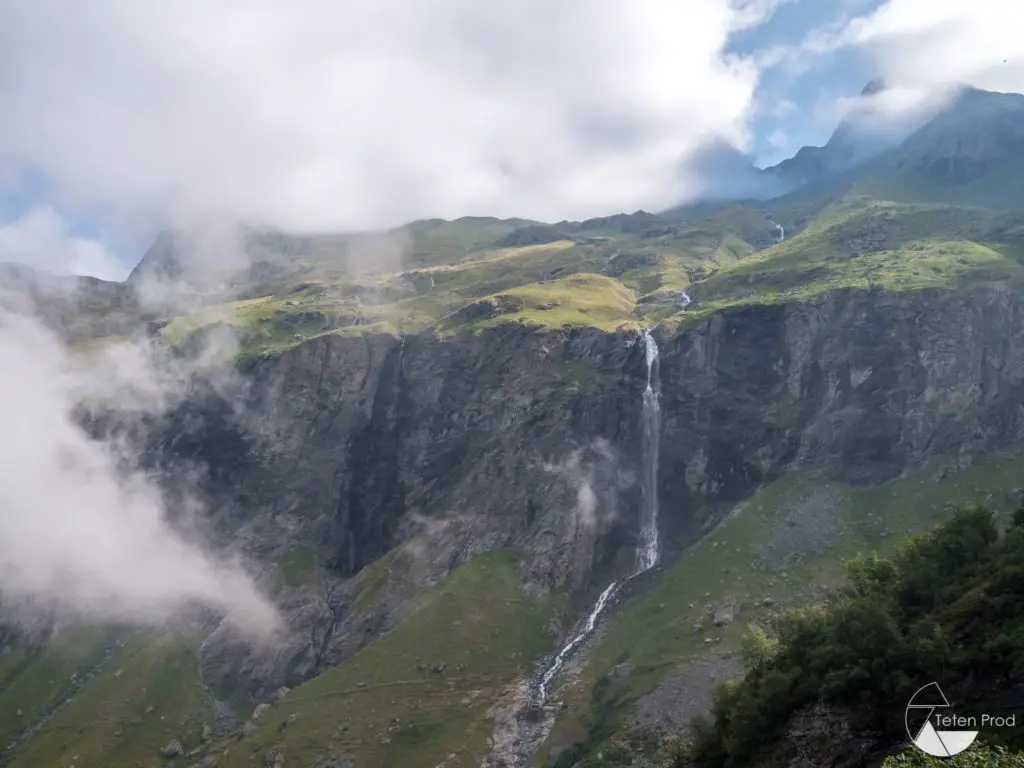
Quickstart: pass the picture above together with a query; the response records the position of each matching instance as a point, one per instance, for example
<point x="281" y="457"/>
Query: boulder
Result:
<point x="724" y="616"/>
<point x="173" y="749"/>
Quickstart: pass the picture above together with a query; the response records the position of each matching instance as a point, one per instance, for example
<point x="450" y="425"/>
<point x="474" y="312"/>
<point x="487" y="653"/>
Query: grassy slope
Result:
<point x="578" y="300"/>
<point x="381" y="708"/>
<point x="724" y="257"/>
<point x="33" y="684"/>
<point x="384" y="708"/>
<point x="863" y="242"/>
<point x="453" y="264"/>
<point x="654" y="631"/>
<point x="108" y="723"/>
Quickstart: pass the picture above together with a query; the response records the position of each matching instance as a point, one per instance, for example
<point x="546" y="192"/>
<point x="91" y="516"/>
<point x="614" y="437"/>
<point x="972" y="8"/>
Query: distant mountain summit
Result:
<point x="863" y="133"/>
<point x="875" y="86"/>
<point x="965" y="146"/>
<point x="977" y="134"/>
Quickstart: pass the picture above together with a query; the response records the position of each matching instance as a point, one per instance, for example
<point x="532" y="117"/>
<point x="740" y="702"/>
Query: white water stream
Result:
<point x="647" y="541"/>
<point x="647" y="545"/>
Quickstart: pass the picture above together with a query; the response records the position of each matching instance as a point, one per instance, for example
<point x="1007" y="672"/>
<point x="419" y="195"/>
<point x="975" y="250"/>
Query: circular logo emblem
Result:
<point x="932" y="725"/>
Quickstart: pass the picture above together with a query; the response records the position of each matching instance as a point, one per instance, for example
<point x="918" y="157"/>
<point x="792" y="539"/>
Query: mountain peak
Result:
<point x="875" y="86"/>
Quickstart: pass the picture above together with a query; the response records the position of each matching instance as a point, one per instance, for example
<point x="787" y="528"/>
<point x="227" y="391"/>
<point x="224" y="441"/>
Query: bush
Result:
<point x="947" y="606"/>
<point x="978" y="756"/>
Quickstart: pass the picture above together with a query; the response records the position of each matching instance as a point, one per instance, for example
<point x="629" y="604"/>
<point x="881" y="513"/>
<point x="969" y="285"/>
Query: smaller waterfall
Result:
<point x="779" y="229"/>
<point x="566" y="652"/>
<point x="684" y="300"/>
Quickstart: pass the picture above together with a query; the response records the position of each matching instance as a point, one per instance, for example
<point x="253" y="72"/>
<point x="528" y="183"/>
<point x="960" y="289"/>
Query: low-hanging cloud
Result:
<point x="927" y="43"/>
<point x="923" y="49"/>
<point x="919" y="46"/>
<point x="42" y="238"/>
<point x="597" y="476"/>
<point x="318" y="115"/>
<point x="81" y="528"/>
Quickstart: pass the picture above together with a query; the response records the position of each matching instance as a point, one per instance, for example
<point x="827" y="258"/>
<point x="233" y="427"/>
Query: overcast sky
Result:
<point x="122" y="116"/>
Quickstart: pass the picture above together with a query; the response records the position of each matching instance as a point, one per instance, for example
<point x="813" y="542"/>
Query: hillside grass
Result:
<point x="110" y="724"/>
<point x="724" y="257"/>
<point x="296" y="567"/>
<point x="581" y="300"/>
<point x="35" y="682"/>
<point x="385" y="707"/>
<point x="859" y="242"/>
<point x="448" y="266"/>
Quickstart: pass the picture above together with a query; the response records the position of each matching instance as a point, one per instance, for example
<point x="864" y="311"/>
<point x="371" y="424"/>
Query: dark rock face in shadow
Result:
<point x="353" y="446"/>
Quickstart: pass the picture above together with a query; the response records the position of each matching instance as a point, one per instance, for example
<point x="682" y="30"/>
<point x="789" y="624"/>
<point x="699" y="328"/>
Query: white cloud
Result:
<point x="320" y="114"/>
<point x="778" y="139"/>
<point x="751" y="13"/>
<point x="921" y="48"/>
<point x="892" y="109"/>
<point x="79" y="529"/>
<point x="923" y="43"/>
<point x="42" y="239"/>
<point x="782" y="110"/>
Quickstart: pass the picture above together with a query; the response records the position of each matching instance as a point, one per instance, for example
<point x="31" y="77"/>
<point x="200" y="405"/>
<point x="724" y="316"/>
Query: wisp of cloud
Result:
<point x="78" y="530"/>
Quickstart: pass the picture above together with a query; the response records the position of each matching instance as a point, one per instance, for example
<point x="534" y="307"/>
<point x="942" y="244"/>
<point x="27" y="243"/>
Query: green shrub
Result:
<point x="948" y="606"/>
<point x="978" y="756"/>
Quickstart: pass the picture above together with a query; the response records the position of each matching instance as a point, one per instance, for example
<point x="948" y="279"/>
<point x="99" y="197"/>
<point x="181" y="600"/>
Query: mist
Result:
<point x="722" y="172"/>
<point x="596" y="474"/>
<point x="191" y="262"/>
<point x="882" y="117"/>
<point x="83" y="529"/>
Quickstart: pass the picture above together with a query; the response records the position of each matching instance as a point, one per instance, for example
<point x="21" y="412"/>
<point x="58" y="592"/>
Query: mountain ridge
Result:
<point x="864" y="148"/>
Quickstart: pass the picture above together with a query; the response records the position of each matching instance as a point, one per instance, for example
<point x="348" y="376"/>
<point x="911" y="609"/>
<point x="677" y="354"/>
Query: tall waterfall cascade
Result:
<point x="647" y="541"/>
<point x="647" y="545"/>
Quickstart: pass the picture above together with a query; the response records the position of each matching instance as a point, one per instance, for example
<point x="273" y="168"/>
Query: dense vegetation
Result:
<point x="978" y="756"/>
<point x="946" y="607"/>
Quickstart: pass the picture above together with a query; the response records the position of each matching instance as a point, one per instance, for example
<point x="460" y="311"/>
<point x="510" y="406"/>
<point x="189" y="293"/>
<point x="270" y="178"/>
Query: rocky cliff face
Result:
<point x="352" y="446"/>
<point x="858" y="385"/>
<point x="515" y="438"/>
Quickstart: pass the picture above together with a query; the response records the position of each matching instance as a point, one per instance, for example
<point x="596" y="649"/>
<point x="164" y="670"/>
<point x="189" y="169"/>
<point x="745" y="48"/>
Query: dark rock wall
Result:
<point x="355" y="436"/>
<point x="479" y="442"/>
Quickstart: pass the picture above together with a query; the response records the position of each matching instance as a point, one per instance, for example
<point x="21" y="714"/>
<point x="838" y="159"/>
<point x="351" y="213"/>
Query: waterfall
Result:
<point x="566" y="652"/>
<point x="778" y="227"/>
<point x="647" y="546"/>
<point x="684" y="300"/>
<point x="647" y="541"/>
